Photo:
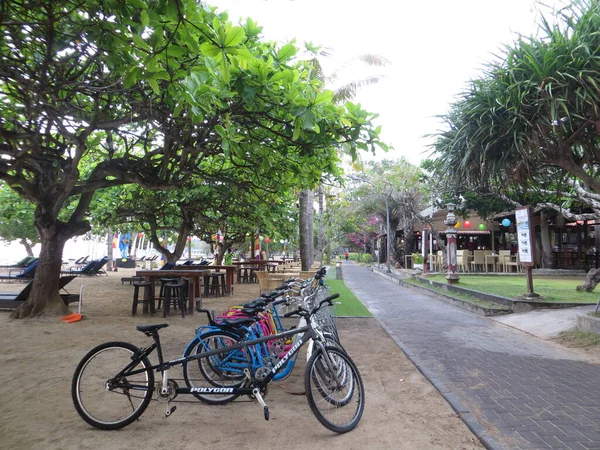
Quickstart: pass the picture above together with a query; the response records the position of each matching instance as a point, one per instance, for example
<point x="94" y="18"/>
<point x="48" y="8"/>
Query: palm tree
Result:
<point x="341" y="94"/>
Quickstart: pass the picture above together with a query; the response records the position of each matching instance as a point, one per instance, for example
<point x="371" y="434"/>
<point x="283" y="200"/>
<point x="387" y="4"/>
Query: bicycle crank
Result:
<point x="256" y="393"/>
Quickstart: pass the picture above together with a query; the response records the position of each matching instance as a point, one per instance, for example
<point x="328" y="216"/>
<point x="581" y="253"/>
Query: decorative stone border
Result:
<point x="505" y="305"/>
<point x="586" y="322"/>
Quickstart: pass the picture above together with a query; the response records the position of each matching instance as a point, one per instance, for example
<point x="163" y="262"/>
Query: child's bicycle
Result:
<point x="114" y="383"/>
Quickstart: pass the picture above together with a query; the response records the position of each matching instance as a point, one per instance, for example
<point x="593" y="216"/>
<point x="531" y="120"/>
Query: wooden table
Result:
<point x="257" y="263"/>
<point x="194" y="275"/>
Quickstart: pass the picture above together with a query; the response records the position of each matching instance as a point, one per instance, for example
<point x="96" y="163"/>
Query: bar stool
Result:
<point x="245" y="274"/>
<point x="136" y="292"/>
<point x="217" y="285"/>
<point x="163" y="282"/>
<point x="174" y="292"/>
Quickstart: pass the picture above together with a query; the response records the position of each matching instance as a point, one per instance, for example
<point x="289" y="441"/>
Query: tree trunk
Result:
<point x="28" y="249"/>
<point x="591" y="280"/>
<point x="44" y="298"/>
<point x="320" y="239"/>
<point x="109" y="250"/>
<point x="546" y="250"/>
<point x="306" y="236"/>
<point x="311" y="225"/>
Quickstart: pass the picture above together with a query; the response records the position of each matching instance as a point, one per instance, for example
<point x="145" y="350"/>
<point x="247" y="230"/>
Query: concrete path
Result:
<point x="514" y="390"/>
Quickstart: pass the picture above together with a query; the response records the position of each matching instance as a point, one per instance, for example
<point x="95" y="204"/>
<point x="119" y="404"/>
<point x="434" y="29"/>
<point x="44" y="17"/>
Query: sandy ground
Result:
<point x="403" y="410"/>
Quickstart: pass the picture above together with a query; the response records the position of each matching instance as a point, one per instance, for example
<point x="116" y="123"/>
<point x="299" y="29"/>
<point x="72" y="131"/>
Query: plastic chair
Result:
<point x="478" y="260"/>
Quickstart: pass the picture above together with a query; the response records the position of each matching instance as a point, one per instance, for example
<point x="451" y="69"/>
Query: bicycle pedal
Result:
<point x="170" y="411"/>
<point x="266" y="411"/>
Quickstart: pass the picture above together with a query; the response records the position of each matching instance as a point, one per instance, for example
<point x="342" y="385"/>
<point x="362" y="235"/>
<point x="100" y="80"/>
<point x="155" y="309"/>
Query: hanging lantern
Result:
<point x="467" y="224"/>
<point x="140" y="235"/>
<point x="221" y="238"/>
<point x="267" y="240"/>
<point x="457" y="225"/>
<point x="506" y="222"/>
<point x="481" y="227"/>
<point x="189" y="239"/>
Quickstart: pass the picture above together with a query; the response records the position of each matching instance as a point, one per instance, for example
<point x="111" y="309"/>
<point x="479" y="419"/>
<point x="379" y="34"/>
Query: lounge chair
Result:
<point x="25" y="262"/>
<point x="93" y="268"/>
<point x="99" y="269"/>
<point x="20" y="274"/>
<point x="168" y="266"/>
<point x="14" y="300"/>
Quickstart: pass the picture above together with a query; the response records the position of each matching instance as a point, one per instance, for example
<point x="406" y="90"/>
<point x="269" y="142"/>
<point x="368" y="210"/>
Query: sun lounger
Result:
<point x="13" y="301"/>
<point x="93" y="268"/>
<point x="25" y="262"/>
<point x="20" y="274"/>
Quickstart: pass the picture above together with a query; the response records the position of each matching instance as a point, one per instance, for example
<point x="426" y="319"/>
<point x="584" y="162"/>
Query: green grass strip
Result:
<point x="557" y="289"/>
<point x="350" y="305"/>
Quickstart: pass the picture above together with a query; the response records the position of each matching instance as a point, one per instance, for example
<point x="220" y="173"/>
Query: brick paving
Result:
<point x="515" y="391"/>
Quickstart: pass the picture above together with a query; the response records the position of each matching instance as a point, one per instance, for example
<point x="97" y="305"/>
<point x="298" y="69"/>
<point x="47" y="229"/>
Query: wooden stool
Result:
<point x="136" y="293"/>
<point x="217" y="285"/>
<point x="163" y="282"/>
<point x="245" y="274"/>
<point x="174" y="292"/>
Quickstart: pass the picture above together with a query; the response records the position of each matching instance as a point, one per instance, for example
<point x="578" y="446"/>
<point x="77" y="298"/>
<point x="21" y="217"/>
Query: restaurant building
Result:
<point x="574" y="244"/>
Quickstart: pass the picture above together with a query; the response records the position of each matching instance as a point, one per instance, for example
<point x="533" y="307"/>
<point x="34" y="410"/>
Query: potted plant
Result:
<point x="417" y="260"/>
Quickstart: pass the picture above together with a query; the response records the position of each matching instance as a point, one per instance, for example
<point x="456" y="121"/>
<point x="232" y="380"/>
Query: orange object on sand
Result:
<point x="75" y="317"/>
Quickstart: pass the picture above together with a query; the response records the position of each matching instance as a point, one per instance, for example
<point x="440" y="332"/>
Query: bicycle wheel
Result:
<point x="344" y="378"/>
<point x="334" y="389"/>
<point x="104" y="400"/>
<point x="222" y="370"/>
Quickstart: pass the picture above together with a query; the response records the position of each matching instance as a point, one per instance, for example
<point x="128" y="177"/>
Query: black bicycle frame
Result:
<point x="308" y="331"/>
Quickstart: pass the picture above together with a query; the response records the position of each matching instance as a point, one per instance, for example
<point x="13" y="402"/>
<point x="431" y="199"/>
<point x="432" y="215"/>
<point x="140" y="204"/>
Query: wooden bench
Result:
<point x="131" y="280"/>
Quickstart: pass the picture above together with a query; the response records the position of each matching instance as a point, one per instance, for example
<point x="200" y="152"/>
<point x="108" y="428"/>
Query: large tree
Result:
<point x="98" y="94"/>
<point x="532" y="119"/>
<point x="393" y="189"/>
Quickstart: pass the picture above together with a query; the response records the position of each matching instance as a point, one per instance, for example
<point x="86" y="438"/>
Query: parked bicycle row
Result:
<point x="237" y="353"/>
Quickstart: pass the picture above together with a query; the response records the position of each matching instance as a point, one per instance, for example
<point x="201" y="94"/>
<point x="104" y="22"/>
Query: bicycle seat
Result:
<point x="237" y="323"/>
<point x="150" y="328"/>
<point x="253" y="311"/>
<point x="257" y="303"/>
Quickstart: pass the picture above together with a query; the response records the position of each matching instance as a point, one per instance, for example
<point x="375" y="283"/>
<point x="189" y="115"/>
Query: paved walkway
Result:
<point x="515" y="391"/>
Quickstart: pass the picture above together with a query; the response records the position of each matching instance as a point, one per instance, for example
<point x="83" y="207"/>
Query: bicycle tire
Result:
<point x="326" y="399"/>
<point x="323" y="379"/>
<point x="97" y="395"/>
<point x="212" y="370"/>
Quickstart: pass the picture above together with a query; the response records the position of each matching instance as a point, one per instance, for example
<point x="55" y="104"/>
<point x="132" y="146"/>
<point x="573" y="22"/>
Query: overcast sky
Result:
<point x="434" y="47"/>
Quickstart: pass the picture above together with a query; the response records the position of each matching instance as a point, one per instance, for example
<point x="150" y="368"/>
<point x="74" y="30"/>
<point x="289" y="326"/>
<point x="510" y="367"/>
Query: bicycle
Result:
<point x="117" y="376"/>
<point x="228" y="370"/>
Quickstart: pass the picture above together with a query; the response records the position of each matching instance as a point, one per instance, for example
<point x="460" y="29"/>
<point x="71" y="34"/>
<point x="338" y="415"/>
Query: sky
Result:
<point x="434" y="47"/>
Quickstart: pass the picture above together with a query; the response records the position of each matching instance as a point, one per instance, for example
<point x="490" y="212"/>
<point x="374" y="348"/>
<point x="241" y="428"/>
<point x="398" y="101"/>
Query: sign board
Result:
<point x="524" y="235"/>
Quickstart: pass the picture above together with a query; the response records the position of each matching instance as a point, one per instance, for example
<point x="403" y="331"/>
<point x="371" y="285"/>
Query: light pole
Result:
<point x="452" y="274"/>
<point x="387" y="231"/>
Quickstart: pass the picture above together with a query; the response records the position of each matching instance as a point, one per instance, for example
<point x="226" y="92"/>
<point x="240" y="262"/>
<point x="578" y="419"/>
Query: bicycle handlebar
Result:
<point x="303" y="312"/>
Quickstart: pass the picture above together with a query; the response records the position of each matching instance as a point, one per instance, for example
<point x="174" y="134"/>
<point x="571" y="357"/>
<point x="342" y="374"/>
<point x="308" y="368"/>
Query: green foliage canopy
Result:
<point x="532" y="119"/>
